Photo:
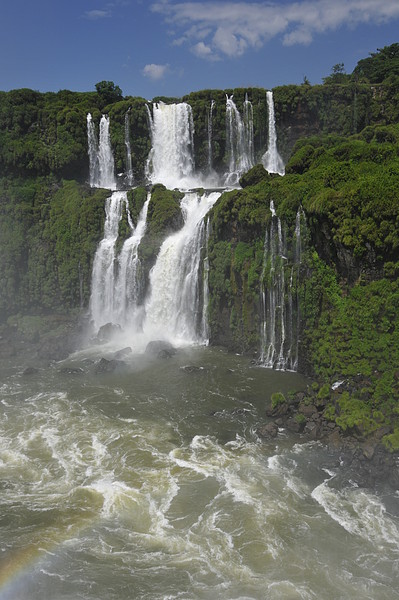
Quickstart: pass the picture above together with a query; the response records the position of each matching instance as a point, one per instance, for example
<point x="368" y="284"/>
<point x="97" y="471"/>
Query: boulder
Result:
<point x="268" y="431"/>
<point x="123" y="353"/>
<point x="160" y="349"/>
<point x="108" y="366"/>
<point x="108" y="331"/>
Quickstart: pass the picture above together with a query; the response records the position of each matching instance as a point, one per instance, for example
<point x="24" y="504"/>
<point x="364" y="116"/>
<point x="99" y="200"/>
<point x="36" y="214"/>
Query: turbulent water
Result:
<point x="152" y="484"/>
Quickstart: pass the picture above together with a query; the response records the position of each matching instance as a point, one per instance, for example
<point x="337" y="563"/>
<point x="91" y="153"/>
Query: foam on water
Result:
<point x="118" y="485"/>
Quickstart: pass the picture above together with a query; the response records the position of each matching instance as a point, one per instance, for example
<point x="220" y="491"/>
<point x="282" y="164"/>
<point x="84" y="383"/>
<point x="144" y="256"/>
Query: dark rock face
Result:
<point x="268" y="431"/>
<point x="123" y="353"/>
<point x="108" y="366"/>
<point x="108" y="331"/>
<point x="364" y="459"/>
<point x="160" y="349"/>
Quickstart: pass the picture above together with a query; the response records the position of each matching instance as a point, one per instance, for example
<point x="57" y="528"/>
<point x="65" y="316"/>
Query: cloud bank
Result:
<point x="214" y="29"/>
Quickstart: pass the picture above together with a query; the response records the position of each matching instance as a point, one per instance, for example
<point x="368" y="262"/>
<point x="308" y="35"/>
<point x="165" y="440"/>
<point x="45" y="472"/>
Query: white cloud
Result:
<point x="155" y="72"/>
<point x="204" y="51"/>
<point x="94" y="15"/>
<point x="230" y="28"/>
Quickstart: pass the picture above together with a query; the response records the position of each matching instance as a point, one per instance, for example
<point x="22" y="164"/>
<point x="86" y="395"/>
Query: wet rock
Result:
<point x="108" y="331"/>
<point x="307" y="409"/>
<point x="30" y="371"/>
<point x="108" y="366"/>
<point x="71" y="370"/>
<point x="160" y="349"/>
<point x="312" y="430"/>
<point x="123" y="353"/>
<point x="295" y="426"/>
<point x="268" y="431"/>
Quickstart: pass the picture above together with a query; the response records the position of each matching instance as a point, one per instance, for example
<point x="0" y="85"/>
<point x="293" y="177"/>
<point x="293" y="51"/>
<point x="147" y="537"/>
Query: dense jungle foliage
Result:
<point x="348" y="188"/>
<point x="341" y="141"/>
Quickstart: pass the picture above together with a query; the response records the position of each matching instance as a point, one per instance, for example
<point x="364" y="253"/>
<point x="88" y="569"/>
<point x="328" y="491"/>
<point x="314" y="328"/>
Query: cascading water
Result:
<point x="129" y="286"/>
<point x="171" y="159"/>
<point x="272" y="160"/>
<point x="205" y="292"/>
<point x="129" y="166"/>
<point x="93" y="151"/>
<point x="173" y="309"/>
<point x="101" y="160"/>
<point x="104" y="273"/>
<point x="210" y="155"/>
<point x="239" y="140"/>
<point x="249" y="129"/>
<point x="279" y="300"/>
<point x="117" y="281"/>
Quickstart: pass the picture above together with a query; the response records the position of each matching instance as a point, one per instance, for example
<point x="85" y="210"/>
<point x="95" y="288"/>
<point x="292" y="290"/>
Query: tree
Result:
<point x="380" y="65"/>
<point x="338" y="74"/>
<point x="108" y="91"/>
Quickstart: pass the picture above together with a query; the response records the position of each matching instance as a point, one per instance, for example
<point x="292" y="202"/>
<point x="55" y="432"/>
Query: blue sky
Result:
<point x="172" y="47"/>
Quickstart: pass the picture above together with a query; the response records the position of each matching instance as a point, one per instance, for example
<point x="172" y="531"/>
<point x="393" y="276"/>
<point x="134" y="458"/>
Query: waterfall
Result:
<point x="279" y="300"/>
<point x="171" y="159"/>
<point x="239" y="140"/>
<point x="93" y="151"/>
<point x="129" y="285"/>
<point x="101" y="160"/>
<point x="173" y="309"/>
<point x="210" y="157"/>
<point x="129" y="167"/>
<point x="249" y="129"/>
<point x="117" y="281"/>
<point x="272" y="160"/>
<point x="205" y="290"/>
<point x="104" y="272"/>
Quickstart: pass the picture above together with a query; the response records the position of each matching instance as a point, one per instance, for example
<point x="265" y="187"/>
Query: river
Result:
<point x="151" y="483"/>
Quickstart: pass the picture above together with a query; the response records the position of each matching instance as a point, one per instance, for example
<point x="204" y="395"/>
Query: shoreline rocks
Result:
<point x="303" y="414"/>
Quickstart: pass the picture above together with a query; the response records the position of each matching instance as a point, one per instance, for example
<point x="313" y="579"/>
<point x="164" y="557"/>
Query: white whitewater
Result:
<point x="205" y="290"/>
<point x="171" y="158"/>
<point x="102" y="300"/>
<point x="129" y="166"/>
<point x="173" y="309"/>
<point x="272" y="160"/>
<point x="279" y="300"/>
<point x="210" y="154"/>
<point x="129" y="287"/>
<point x="101" y="160"/>
<point x="239" y="140"/>
<point x="117" y="281"/>
<point x="93" y="151"/>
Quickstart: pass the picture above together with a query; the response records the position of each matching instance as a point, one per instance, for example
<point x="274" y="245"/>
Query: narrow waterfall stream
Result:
<point x="129" y="164"/>
<point x="102" y="168"/>
<point x="272" y="160"/>
<point x="279" y="300"/>
<point x="239" y="140"/>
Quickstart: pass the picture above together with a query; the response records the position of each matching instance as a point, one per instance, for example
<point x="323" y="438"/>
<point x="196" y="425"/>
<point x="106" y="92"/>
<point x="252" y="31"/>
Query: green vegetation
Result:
<point x="49" y="232"/>
<point x="342" y="142"/>
<point x="277" y="398"/>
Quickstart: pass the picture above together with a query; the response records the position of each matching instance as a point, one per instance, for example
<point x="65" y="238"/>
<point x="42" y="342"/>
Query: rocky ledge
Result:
<point x="363" y="455"/>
